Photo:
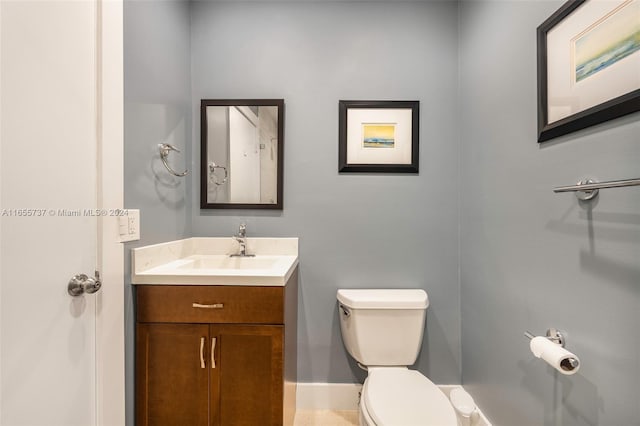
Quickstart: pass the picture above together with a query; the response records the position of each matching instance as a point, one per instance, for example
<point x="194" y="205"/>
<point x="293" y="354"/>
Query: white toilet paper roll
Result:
<point x="555" y="355"/>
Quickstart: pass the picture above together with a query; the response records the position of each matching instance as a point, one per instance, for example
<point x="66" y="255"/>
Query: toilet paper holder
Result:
<point x="565" y="361"/>
<point x="553" y="334"/>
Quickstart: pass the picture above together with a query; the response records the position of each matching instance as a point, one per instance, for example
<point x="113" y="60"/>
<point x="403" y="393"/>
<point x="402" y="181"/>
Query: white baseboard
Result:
<point x="345" y="396"/>
<point x="328" y="396"/>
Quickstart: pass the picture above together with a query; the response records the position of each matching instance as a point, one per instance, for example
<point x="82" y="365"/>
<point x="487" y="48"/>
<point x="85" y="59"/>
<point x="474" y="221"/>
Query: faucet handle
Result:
<point x="242" y="232"/>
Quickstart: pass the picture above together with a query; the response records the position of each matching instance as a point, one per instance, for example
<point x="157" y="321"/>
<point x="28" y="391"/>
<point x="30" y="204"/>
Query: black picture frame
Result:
<point x="409" y="167"/>
<point x="613" y="108"/>
<point x="204" y="203"/>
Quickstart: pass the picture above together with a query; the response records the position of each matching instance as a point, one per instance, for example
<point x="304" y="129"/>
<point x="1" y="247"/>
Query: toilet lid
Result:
<point x="402" y="397"/>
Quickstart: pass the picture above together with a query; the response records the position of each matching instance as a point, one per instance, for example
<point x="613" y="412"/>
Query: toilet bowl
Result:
<point x="382" y="330"/>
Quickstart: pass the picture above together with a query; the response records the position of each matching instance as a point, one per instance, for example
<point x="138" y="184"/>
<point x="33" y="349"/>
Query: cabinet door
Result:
<point x="247" y="381"/>
<point x="172" y="374"/>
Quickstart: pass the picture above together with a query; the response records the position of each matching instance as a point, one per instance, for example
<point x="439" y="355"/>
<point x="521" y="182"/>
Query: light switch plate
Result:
<point x="129" y="226"/>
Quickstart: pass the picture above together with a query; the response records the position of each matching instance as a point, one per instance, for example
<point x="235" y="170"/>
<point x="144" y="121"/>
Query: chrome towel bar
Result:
<point x="588" y="188"/>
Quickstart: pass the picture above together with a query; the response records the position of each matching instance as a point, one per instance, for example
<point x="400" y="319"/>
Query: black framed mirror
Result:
<point x="241" y="153"/>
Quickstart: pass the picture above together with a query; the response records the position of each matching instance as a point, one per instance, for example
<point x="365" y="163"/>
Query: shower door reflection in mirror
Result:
<point x="241" y="153"/>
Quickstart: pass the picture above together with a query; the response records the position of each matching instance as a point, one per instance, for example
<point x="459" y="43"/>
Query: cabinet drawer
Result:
<point x="210" y="304"/>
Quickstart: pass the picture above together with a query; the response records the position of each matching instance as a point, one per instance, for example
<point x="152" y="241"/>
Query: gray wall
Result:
<point x="532" y="259"/>
<point x="355" y="230"/>
<point x="157" y="109"/>
<point x="529" y="259"/>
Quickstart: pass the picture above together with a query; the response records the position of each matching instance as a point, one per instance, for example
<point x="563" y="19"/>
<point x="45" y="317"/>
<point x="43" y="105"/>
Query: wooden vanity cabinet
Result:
<point x="199" y="363"/>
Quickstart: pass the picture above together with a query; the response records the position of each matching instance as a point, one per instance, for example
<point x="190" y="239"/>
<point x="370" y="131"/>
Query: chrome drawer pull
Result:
<point x="213" y="306"/>
<point x="202" y="352"/>
<point x="213" y="352"/>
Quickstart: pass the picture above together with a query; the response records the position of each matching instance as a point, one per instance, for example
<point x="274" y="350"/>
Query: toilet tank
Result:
<point x="382" y="327"/>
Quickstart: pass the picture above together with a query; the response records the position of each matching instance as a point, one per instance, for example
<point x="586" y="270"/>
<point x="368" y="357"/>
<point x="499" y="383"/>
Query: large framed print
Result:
<point x="588" y="65"/>
<point x="378" y="136"/>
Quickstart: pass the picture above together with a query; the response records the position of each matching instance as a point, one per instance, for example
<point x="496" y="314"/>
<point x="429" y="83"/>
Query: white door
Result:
<point x="52" y="226"/>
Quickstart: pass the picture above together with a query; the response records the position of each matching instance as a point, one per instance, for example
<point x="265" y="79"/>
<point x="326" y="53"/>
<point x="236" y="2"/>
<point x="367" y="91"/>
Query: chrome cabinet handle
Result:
<point x="81" y="283"/>
<point x="202" y="352"/>
<point x="213" y="306"/>
<point x="213" y="352"/>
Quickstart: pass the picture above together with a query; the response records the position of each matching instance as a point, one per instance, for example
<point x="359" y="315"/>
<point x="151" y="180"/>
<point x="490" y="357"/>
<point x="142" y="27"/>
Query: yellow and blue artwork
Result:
<point x="379" y="135"/>
<point x="610" y="40"/>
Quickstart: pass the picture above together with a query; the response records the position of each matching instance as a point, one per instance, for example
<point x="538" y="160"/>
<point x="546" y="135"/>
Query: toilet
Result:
<point x="382" y="330"/>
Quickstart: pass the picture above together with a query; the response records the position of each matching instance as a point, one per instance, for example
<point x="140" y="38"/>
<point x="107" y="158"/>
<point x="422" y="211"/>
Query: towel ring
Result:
<point x="165" y="149"/>
<point x="213" y="178"/>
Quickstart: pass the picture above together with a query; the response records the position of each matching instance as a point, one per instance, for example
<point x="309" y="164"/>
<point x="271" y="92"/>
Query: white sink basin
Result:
<point x="207" y="261"/>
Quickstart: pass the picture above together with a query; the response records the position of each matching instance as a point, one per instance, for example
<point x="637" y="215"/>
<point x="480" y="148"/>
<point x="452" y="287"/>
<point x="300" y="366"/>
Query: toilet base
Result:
<point x="364" y="419"/>
<point x="363" y="414"/>
<point x="361" y="419"/>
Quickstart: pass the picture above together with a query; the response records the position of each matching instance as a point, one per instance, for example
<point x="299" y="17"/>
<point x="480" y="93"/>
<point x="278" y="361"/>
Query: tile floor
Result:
<point x="326" y="418"/>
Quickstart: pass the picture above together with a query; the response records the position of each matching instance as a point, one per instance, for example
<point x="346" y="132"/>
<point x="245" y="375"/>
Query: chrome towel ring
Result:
<point x="165" y="149"/>
<point x="212" y="176"/>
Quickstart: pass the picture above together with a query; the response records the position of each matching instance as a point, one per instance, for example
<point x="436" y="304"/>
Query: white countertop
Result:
<point x="206" y="261"/>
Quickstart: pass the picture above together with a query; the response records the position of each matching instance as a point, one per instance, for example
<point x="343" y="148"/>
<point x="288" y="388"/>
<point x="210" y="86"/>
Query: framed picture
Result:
<point x="588" y="65"/>
<point x="379" y="136"/>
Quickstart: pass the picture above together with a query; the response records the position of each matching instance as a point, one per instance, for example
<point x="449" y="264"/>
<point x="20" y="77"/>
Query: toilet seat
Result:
<point x="397" y="396"/>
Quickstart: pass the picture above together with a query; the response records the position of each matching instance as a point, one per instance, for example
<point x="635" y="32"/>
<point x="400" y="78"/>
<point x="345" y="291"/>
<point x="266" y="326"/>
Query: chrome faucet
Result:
<point x="241" y="238"/>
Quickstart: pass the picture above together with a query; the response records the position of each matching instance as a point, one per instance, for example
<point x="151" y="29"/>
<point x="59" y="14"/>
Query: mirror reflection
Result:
<point x="241" y="162"/>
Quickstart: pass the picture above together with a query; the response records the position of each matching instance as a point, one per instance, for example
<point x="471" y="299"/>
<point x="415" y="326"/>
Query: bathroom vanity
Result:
<point x="216" y="335"/>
